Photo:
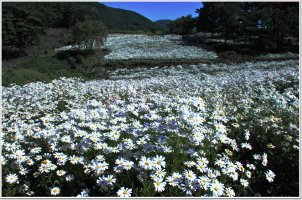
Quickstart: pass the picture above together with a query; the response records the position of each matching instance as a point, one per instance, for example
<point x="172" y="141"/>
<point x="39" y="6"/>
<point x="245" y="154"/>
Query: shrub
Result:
<point x="90" y="33"/>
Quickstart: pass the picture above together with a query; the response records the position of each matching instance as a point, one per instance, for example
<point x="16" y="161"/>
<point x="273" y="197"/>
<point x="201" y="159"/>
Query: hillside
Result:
<point x="163" y="24"/>
<point x="65" y="14"/>
<point x="25" y="24"/>
<point x="119" y="19"/>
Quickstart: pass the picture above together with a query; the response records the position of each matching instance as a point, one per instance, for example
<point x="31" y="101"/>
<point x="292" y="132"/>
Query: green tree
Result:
<point x="271" y="23"/>
<point x="19" y="28"/>
<point x="91" y="33"/>
<point x="219" y="17"/>
<point x="182" y="25"/>
<point x="207" y="20"/>
<point x="263" y="25"/>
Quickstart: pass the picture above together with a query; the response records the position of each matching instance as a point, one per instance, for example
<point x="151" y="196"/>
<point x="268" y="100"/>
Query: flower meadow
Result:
<point x="207" y="130"/>
<point x="131" y="47"/>
<point x="126" y="47"/>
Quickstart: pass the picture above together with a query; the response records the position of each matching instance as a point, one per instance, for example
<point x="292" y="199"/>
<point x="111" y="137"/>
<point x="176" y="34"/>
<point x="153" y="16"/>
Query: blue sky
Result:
<point x="158" y="10"/>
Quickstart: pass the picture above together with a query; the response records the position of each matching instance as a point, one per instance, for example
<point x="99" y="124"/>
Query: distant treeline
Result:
<point x="268" y="24"/>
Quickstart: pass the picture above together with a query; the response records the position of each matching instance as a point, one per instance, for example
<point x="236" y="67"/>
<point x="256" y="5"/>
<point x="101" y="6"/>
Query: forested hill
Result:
<point x="66" y="14"/>
<point x="163" y="24"/>
<point x="119" y="19"/>
<point x="24" y="22"/>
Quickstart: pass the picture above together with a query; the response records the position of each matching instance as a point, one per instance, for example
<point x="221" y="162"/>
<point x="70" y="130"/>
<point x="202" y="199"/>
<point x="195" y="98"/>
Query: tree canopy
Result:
<point x="19" y="27"/>
<point x="91" y="33"/>
<point x="182" y="25"/>
<point x="265" y="22"/>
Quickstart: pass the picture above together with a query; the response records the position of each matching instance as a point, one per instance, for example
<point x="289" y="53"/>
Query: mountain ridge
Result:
<point x="66" y="14"/>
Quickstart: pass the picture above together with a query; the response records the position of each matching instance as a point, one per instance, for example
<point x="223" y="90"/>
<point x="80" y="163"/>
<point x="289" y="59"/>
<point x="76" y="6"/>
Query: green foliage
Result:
<point x="19" y="28"/>
<point x="163" y="24"/>
<point x="182" y="25"/>
<point x="67" y="14"/>
<point x="91" y="33"/>
<point x="262" y="24"/>
<point x="23" y="75"/>
<point x="41" y="68"/>
<point x="64" y="55"/>
<point x="219" y="17"/>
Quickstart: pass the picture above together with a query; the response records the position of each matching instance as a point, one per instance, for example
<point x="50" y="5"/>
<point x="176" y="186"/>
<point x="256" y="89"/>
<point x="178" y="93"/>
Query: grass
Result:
<point x="44" y="68"/>
<point x="48" y="67"/>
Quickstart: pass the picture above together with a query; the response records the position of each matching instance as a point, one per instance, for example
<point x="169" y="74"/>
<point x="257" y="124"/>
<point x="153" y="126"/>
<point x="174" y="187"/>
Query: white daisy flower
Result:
<point x="217" y="189"/>
<point x="270" y="176"/>
<point x="55" y="191"/>
<point x="124" y="192"/>
<point x="11" y="178"/>
<point x="159" y="184"/>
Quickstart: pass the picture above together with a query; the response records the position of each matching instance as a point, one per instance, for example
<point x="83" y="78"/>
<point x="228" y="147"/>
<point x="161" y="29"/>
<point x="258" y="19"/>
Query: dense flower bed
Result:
<point x="199" y="130"/>
<point x="125" y="47"/>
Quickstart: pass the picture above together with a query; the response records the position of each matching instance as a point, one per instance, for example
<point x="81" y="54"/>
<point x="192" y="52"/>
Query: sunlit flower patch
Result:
<point x="125" y="47"/>
<point x="198" y="130"/>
